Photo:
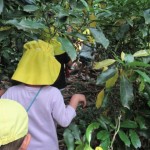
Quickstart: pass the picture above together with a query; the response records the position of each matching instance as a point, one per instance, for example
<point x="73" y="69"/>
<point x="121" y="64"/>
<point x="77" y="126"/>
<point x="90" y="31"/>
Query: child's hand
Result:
<point x="2" y="91"/>
<point x="76" y="99"/>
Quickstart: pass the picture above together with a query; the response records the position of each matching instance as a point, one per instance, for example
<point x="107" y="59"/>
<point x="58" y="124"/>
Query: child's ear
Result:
<point x="26" y="142"/>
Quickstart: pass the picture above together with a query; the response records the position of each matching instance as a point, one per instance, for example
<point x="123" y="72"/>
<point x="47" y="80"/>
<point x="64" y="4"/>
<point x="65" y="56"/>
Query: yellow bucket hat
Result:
<point x="38" y="65"/>
<point x="13" y="121"/>
<point x="58" y="50"/>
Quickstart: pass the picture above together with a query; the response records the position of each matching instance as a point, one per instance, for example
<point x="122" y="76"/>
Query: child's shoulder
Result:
<point x="14" y="87"/>
<point x="53" y="89"/>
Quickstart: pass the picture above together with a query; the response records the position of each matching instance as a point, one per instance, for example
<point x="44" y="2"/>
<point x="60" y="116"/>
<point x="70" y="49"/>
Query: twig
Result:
<point x="116" y="132"/>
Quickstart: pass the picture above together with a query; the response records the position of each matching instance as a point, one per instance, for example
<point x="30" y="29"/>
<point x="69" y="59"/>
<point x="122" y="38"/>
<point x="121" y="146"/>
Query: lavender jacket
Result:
<point x="47" y="111"/>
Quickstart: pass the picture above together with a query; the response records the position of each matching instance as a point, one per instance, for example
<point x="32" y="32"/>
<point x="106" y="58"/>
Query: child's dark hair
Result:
<point x="15" y="145"/>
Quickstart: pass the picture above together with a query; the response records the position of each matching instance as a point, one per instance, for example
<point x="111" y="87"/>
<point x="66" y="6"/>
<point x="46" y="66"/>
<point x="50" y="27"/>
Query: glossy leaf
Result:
<point x="122" y="31"/>
<point x="30" y="8"/>
<point x="141" y="121"/>
<point x="141" y="86"/>
<point x="130" y="21"/>
<point x="105" y="100"/>
<point x="85" y="4"/>
<point x="30" y="1"/>
<point x="122" y="56"/>
<point x="129" y="58"/>
<point x="68" y="47"/>
<point x="105" y="144"/>
<point x="126" y="92"/>
<point x="138" y="64"/>
<point x="69" y="139"/>
<point x="129" y="124"/>
<point x="106" y="120"/>
<point x="29" y="24"/>
<point x="87" y="147"/>
<point x="100" y="37"/>
<point x="104" y="76"/>
<point x="147" y="16"/>
<point x="92" y="17"/>
<point x="104" y="63"/>
<point x="80" y="147"/>
<point x="135" y="139"/>
<point x="102" y="123"/>
<point x="111" y="82"/>
<point x="26" y="24"/>
<point x="124" y="138"/>
<point x="1" y="6"/>
<point x="99" y="99"/>
<point x="142" y="53"/>
<point x="103" y="135"/>
<point x="90" y="129"/>
<point x="143" y="75"/>
<point x="75" y="131"/>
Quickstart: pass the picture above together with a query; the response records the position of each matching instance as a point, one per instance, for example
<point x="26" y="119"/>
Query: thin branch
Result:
<point x="116" y="132"/>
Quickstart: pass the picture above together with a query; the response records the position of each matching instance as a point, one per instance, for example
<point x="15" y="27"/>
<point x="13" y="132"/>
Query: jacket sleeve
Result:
<point x="63" y="114"/>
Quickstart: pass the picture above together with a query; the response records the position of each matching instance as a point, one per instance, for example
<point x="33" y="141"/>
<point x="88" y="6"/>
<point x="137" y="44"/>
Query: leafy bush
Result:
<point x="120" y="30"/>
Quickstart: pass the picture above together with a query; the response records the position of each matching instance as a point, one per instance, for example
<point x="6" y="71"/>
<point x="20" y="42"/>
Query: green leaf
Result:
<point x="85" y="4"/>
<point x="141" y="121"/>
<point x="1" y="6"/>
<point x="68" y="47"/>
<point x="105" y="119"/>
<point x="104" y="76"/>
<point x="143" y="75"/>
<point x="80" y="147"/>
<point x="13" y="22"/>
<point x="138" y="64"/>
<point x="103" y="135"/>
<point x="129" y="124"/>
<point x="4" y="35"/>
<point x="29" y="24"/>
<point x="130" y="22"/>
<point x="111" y="82"/>
<point x="99" y="37"/>
<point x="26" y="24"/>
<point x="129" y="58"/>
<point x="87" y="147"/>
<point x="105" y="144"/>
<point x="30" y="8"/>
<point x="122" y="31"/>
<point x="105" y="101"/>
<point x="99" y="99"/>
<point x="126" y="92"/>
<point x="102" y="123"/>
<point x="142" y="53"/>
<point x="75" y="131"/>
<point x="135" y="139"/>
<point x="145" y="133"/>
<point x="148" y="103"/>
<point x="30" y="1"/>
<point x="69" y="139"/>
<point x="90" y="129"/>
<point x="103" y="63"/>
<point x="79" y="35"/>
<point x="124" y="138"/>
<point x="147" y="16"/>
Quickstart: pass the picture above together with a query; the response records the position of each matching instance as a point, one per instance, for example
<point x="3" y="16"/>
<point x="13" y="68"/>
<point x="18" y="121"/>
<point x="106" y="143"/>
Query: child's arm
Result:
<point x="76" y="99"/>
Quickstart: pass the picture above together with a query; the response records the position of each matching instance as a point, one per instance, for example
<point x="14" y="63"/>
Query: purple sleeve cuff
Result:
<point x="71" y="110"/>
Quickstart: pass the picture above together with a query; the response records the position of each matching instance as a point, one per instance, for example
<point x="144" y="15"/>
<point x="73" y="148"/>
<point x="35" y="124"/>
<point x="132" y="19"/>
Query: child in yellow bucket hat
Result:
<point x="13" y="126"/>
<point x="37" y="71"/>
<point x="65" y="61"/>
